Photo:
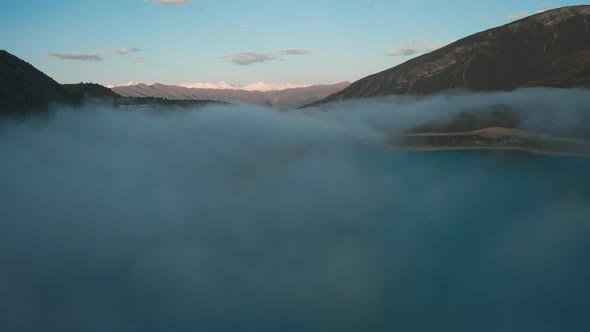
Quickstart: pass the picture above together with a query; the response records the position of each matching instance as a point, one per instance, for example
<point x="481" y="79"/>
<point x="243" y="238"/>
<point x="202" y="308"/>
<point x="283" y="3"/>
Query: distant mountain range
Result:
<point x="274" y="96"/>
<point x="550" y="49"/>
<point x="24" y="89"/>
<point x="222" y="85"/>
<point x="258" y="86"/>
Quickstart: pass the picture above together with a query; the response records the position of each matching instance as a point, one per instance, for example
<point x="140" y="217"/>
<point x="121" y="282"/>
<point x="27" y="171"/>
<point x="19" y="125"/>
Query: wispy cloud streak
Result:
<point x="249" y="58"/>
<point x="75" y="56"/>
<point x="295" y="51"/>
<point x="126" y="50"/>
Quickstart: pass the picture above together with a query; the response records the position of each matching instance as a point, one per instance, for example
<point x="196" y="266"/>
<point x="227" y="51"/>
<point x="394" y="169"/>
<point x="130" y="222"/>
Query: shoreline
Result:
<point x="493" y="138"/>
<point x="402" y="148"/>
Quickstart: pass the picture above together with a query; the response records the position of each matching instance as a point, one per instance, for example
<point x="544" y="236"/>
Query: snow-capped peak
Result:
<point x="258" y="86"/>
<point x="217" y="86"/>
<point x="263" y="86"/>
<point x="130" y="83"/>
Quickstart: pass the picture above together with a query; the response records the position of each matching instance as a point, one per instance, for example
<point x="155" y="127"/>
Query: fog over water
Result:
<point x="235" y="218"/>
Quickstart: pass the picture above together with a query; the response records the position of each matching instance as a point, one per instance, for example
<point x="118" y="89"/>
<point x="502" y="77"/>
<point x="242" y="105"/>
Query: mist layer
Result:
<point x="233" y="218"/>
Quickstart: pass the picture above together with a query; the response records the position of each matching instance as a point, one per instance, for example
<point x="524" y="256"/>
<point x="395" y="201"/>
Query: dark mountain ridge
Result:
<point x="23" y="88"/>
<point x="550" y="49"/>
<point x="90" y="90"/>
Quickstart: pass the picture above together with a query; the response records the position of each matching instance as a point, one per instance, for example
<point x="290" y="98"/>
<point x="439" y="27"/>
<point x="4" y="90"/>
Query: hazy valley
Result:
<point x="447" y="193"/>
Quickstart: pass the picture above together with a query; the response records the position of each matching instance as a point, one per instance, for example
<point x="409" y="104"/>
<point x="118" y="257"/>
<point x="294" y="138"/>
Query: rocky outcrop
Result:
<point x="550" y="49"/>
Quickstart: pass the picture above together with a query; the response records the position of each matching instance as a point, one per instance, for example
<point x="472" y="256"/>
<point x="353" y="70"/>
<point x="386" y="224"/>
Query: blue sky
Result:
<point x="304" y="41"/>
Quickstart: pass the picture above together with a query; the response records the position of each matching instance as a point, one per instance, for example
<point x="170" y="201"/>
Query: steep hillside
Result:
<point x="550" y="49"/>
<point x="23" y="88"/>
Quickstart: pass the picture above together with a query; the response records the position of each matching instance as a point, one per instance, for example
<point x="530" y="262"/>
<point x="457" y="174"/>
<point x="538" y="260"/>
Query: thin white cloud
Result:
<point x="126" y="50"/>
<point x="169" y="2"/>
<point x="295" y="51"/>
<point x="419" y="45"/>
<point x="518" y="16"/>
<point x="95" y="56"/>
<point x="75" y="56"/>
<point x="249" y="58"/>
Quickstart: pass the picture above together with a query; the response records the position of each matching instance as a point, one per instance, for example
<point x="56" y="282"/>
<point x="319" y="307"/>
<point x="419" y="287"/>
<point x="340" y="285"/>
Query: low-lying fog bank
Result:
<point x="233" y="218"/>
